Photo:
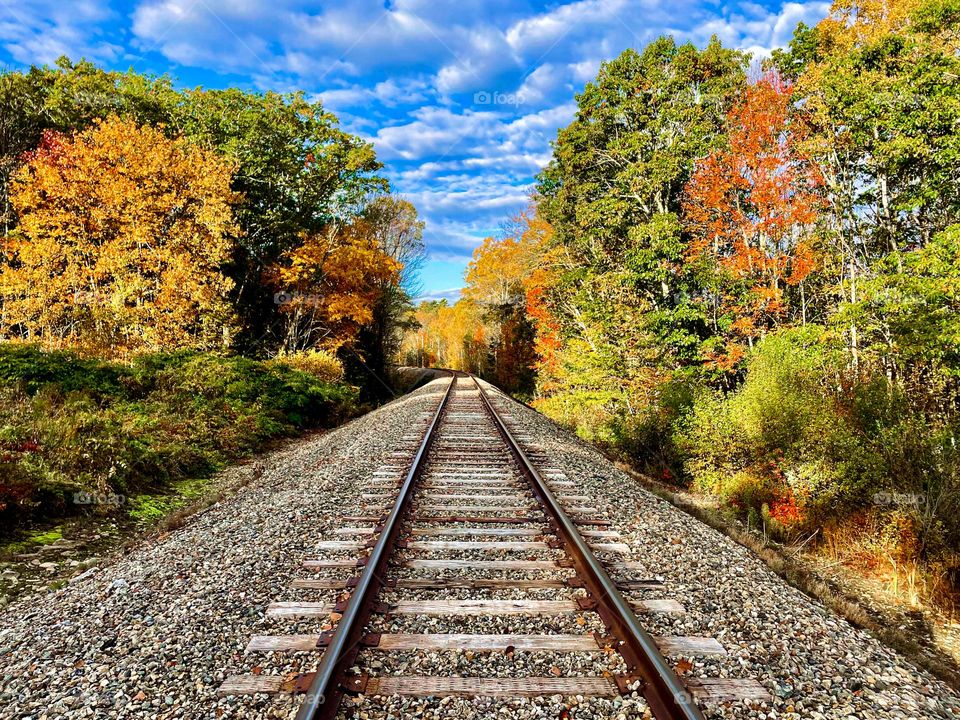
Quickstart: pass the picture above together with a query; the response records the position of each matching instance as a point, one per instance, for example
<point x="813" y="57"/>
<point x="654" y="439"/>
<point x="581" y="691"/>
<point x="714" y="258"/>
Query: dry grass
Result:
<point x="865" y="545"/>
<point x="923" y="650"/>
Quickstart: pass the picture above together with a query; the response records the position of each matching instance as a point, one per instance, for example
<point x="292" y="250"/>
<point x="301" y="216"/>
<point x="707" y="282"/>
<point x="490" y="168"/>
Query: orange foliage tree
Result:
<point x="751" y="208"/>
<point x="122" y="236"/>
<point x="503" y="276"/>
<point x="328" y="286"/>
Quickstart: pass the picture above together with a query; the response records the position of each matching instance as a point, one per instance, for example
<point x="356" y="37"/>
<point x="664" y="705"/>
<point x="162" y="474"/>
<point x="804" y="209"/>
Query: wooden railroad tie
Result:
<point x="713" y="690"/>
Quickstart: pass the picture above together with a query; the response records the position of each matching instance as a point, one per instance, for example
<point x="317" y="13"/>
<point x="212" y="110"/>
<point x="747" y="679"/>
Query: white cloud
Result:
<point x="451" y="295"/>
<point x="388" y="94"/>
<point x="759" y="31"/>
<point x="585" y="70"/>
<point x="41" y="31"/>
<point x="542" y="32"/>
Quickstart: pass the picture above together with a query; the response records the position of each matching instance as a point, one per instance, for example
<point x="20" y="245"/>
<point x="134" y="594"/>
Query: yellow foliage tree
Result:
<point x="448" y="336"/>
<point x="853" y="23"/>
<point x="328" y="286"/>
<point x="500" y="269"/>
<point x="122" y="235"/>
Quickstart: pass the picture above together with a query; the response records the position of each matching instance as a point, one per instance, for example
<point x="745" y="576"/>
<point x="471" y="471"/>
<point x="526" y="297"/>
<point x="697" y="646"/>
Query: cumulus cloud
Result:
<point x="41" y="31"/>
<point x="451" y="295"/>
<point x="756" y="29"/>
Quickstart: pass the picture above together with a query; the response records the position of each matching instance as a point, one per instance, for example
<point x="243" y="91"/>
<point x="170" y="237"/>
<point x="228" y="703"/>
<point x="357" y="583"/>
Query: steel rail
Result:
<point x="325" y="691"/>
<point x="665" y="694"/>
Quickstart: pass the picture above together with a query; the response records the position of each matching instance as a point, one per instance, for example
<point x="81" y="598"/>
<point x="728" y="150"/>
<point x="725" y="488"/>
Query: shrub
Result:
<point x="32" y="368"/>
<point x="319" y="363"/>
<point x="589" y="413"/>
<point x="805" y="442"/>
<point x="646" y="431"/>
<point x="162" y="419"/>
<point x="781" y="439"/>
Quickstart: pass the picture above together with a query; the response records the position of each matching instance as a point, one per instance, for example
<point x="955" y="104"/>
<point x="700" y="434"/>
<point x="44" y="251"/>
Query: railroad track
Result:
<point x="473" y="543"/>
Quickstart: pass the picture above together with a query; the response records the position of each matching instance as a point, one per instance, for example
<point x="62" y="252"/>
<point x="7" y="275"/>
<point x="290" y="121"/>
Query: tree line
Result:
<point x="743" y="275"/>
<point x="141" y="217"/>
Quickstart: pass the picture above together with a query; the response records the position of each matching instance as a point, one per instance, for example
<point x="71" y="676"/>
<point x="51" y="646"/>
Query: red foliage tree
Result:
<point x="751" y="207"/>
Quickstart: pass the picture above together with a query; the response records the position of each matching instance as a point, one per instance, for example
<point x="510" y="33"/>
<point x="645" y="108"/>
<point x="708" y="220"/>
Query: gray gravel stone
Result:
<point x="154" y="634"/>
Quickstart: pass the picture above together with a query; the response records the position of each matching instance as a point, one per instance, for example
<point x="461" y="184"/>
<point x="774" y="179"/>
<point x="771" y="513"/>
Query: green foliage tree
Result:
<point x="299" y="172"/>
<point x="623" y="298"/>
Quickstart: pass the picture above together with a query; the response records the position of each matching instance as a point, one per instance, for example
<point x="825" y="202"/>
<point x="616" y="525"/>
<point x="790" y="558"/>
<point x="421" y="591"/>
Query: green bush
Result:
<point x="162" y="419"/>
<point x="33" y="369"/>
<point x="783" y="438"/>
<point x="589" y="412"/>
<point x="806" y="441"/>
<point x="646" y="431"/>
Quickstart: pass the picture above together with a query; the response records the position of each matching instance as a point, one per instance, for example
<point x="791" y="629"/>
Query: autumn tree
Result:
<point x="68" y="98"/>
<point x="122" y="237"/>
<point x="497" y="279"/>
<point x="448" y="336"/>
<point x="297" y="170"/>
<point x="877" y="81"/>
<point x="300" y="173"/>
<point x="620" y="306"/>
<point x="328" y="286"/>
<point x="500" y="266"/>
<point x="397" y="230"/>
<point x="751" y="207"/>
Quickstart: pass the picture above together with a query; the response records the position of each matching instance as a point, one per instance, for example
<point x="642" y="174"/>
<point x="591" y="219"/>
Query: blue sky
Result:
<point x="461" y="98"/>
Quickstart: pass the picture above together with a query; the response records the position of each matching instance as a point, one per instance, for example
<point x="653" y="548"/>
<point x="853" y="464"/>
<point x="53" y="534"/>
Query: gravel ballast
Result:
<point x="154" y="634"/>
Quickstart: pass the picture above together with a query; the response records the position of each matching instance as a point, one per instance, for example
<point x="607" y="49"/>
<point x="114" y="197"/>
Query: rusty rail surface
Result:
<point x="342" y="646"/>
<point x="663" y="690"/>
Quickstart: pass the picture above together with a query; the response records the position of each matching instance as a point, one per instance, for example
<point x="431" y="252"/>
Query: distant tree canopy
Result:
<point x="488" y="330"/>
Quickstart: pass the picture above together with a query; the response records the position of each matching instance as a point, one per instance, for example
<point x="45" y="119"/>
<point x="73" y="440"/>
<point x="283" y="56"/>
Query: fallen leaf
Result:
<point x="509" y="650"/>
<point x="683" y="666"/>
<point x="335" y="616"/>
<point x="580" y="620"/>
<point x="257" y="670"/>
<point x="139" y="697"/>
<point x="555" y="671"/>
